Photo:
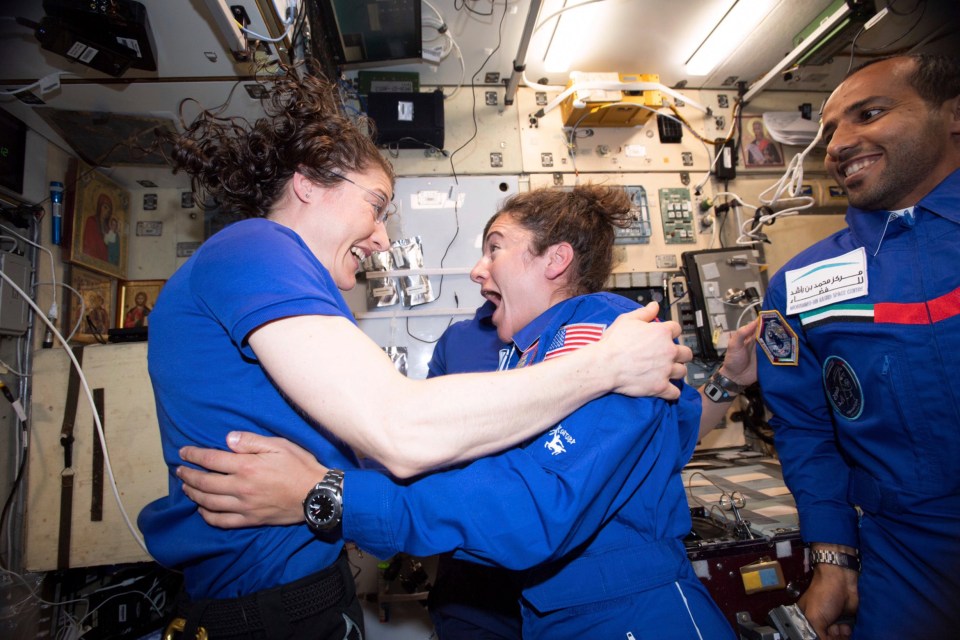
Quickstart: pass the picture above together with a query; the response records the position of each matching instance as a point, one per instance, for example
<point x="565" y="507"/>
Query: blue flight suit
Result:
<point x="594" y="510"/>
<point x="470" y="600"/>
<point x="867" y="412"/>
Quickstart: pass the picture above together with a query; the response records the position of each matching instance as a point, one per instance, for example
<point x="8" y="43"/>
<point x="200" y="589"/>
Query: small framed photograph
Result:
<point x="759" y="149"/>
<point x="95" y="221"/>
<point x="94" y="318"/>
<point x="135" y="300"/>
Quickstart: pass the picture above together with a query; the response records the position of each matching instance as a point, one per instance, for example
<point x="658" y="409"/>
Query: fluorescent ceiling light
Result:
<point x="572" y="34"/>
<point x="739" y="21"/>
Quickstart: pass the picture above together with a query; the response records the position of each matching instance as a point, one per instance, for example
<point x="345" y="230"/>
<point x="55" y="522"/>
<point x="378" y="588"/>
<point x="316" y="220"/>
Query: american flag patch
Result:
<point x="574" y="336"/>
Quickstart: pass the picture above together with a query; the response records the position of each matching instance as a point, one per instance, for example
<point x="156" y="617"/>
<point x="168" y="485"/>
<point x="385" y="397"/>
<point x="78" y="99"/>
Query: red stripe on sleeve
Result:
<point x="901" y="313"/>
<point x="946" y="306"/>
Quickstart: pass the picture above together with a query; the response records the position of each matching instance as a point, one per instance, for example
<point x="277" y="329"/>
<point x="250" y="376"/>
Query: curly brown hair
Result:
<point x="245" y="166"/>
<point x="584" y="216"/>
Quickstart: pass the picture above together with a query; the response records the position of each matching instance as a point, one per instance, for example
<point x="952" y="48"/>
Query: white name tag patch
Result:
<point x="827" y="282"/>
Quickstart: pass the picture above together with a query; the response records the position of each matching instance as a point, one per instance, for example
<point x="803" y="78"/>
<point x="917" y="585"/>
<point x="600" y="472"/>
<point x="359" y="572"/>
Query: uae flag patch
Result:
<point x="574" y="336"/>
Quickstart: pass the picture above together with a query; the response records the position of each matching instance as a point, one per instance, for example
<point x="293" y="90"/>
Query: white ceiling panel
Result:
<point x="628" y="36"/>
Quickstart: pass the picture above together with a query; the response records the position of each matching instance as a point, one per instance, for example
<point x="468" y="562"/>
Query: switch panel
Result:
<point x="676" y="216"/>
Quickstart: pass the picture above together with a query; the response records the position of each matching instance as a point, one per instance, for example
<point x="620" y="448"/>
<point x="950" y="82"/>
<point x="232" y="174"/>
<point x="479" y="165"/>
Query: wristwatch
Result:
<point x="720" y="388"/>
<point x="838" y="558"/>
<point x="323" y="506"/>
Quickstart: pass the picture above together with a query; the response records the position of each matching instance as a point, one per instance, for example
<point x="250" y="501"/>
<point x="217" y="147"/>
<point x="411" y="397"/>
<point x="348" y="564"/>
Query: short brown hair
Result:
<point x="584" y="216"/>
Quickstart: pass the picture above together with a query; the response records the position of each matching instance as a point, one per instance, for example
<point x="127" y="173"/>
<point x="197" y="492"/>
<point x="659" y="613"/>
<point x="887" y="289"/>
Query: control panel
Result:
<point x="639" y="231"/>
<point x="676" y="214"/>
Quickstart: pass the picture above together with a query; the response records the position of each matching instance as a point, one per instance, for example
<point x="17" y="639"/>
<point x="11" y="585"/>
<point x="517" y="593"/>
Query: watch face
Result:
<point x="322" y="508"/>
<point x="713" y="392"/>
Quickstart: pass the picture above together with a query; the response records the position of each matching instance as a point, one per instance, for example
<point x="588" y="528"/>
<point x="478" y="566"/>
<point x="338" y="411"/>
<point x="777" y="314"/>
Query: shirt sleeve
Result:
<point x="244" y="283"/>
<point x="813" y="467"/>
<point x="528" y="505"/>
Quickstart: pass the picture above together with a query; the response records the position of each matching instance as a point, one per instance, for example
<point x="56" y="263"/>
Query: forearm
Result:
<point x="412" y="426"/>
<point x="818" y="478"/>
<point x="451" y="419"/>
<point x="714" y="412"/>
<point x="494" y="411"/>
<point x="543" y="506"/>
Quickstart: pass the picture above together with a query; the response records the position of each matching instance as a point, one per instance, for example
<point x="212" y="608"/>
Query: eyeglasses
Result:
<point x="383" y="210"/>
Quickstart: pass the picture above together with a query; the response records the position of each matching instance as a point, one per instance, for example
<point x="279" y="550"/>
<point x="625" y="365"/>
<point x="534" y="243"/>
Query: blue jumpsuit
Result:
<point x="470" y="600"/>
<point x="867" y="412"/>
<point x="594" y="510"/>
<point x="207" y="382"/>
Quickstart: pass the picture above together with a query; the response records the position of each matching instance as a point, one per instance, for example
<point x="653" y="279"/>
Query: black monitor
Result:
<point x="726" y="286"/>
<point x="367" y="33"/>
<point x="13" y="148"/>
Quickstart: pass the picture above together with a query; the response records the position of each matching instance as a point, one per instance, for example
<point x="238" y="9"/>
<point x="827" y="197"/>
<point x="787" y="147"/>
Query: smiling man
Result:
<point x="855" y="371"/>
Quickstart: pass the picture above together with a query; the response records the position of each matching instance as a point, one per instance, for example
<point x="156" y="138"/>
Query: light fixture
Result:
<point x="740" y="20"/>
<point x="828" y="28"/>
<point x="568" y="37"/>
<point x="566" y="44"/>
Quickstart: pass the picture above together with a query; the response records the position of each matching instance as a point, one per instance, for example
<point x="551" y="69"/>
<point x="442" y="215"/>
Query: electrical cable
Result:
<point x="292" y="13"/>
<point x="734" y="125"/>
<point x="443" y="31"/>
<point x="14" y="488"/>
<point x="53" y="312"/>
<point x="473" y="90"/>
<point x="571" y="139"/>
<point x="83" y="308"/>
<point x="608" y="85"/>
<point x="786" y="188"/>
<point x="71" y="626"/>
<point x="746" y="309"/>
<point x="29" y="87"/>
<point x="464" y="5"/>
<point x="456" y="232"/>
<point x="96" y="416"/>
<point x="922" y="5"/>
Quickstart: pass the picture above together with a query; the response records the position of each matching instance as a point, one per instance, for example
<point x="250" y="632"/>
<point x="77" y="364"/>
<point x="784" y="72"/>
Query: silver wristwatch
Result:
<point x="323" y="506"/>
<point x="838" y="558"/>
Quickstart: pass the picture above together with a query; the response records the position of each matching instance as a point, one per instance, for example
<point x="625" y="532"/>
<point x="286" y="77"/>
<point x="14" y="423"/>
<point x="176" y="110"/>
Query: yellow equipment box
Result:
<point x="626" y="108"/>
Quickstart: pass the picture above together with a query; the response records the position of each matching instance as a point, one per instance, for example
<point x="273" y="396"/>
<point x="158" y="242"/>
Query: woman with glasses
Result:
<point x="253" y="334"/>
<point x="591" y="513"/>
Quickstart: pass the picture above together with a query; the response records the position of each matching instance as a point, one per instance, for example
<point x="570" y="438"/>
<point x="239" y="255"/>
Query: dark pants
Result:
<point x="322" y="606"/>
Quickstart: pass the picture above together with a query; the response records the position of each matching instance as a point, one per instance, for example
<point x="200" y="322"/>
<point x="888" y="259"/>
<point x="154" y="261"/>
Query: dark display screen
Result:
<point x="370" y="32"/>
<point x="13" y="142"/>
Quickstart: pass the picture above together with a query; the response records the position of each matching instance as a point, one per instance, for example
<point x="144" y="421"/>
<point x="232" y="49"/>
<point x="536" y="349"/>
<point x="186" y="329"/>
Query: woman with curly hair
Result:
<point x="591" y="513"/>
<point x="253" y="334"/>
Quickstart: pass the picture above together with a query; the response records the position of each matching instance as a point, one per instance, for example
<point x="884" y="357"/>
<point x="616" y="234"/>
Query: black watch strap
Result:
<point x="838" y="558"/>
<point x="720" y="388"/>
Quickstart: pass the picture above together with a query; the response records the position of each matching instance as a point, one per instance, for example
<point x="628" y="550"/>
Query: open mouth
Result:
<point x="492" y="296"/>
<point x="856" y="166"/>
